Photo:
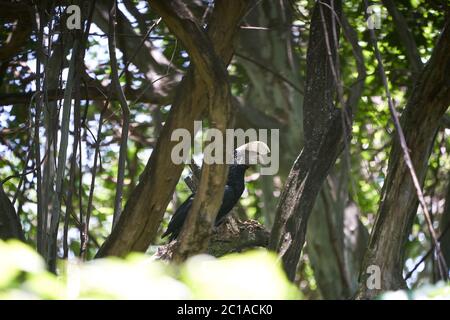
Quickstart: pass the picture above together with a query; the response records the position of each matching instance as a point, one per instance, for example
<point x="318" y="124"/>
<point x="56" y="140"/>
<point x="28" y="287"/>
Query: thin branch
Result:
<point x="62" y="156"/>
<point x="81" y="226"/>
<point x="84" y="240"/>
<point x="77" y="133"/>
<point x="276" y="74"/>
<point x="138" y="47"/>
<point x="24" y="172"/>
<point x="405" y="36"/>
<point x="20" y="175"/>
<point x="336" y="246"/>
<point x="428" y="253"/>
<point x="73" y="161"/>
<point x="37" y="146"/>
<point x="254" y="28"/>
<point x="52" y="60"/>
<point x="91" y="92"/>
<point x="125" y="114"/>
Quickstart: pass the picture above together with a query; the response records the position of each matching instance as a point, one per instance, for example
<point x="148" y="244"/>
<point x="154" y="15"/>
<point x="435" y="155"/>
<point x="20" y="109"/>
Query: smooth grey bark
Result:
<point x="53" y="66"/>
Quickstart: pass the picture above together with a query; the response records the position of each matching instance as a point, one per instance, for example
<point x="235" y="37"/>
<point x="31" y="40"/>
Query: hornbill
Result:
<point x="251" y="153"/>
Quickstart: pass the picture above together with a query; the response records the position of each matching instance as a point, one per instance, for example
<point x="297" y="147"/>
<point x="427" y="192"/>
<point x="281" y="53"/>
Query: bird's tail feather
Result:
<point x="165" y="234"/>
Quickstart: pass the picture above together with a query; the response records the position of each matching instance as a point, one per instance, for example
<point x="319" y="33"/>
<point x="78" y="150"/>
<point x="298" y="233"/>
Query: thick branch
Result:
<point x="323" y="142"/>
<point x="197" y="229"/>
<point x="231" y="236"/>
<point x="145" y="208"/>
<point x="420" y="120"/>
<point x="92" y="92"/>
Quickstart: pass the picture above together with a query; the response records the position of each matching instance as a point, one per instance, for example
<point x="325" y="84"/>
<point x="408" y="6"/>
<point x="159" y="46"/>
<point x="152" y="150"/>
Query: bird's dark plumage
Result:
<point x="233" y="190"/>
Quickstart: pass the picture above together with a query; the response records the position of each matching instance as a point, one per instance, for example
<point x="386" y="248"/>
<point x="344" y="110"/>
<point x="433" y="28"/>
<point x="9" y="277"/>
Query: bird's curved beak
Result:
<point x="254" y="152"/>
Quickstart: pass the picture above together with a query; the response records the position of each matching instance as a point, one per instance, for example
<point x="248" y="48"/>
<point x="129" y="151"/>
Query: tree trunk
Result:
<point x="421" y="118"/>
<point x="275" y="89"/>
<point x="144" y="210"/>
<point x="211" y="70"/>
<point x="323" y="142"/>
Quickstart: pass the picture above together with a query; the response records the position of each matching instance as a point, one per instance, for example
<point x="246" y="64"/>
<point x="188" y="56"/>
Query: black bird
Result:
<point x="250" y="153"/>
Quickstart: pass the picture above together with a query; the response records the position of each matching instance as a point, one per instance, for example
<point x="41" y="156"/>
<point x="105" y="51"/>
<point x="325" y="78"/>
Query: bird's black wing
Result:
<point x="178" y="218"/>
<point x="230" y="198"/>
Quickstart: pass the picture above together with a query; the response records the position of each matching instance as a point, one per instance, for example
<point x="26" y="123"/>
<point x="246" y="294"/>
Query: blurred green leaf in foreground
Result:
<point x="250" y="275"/>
